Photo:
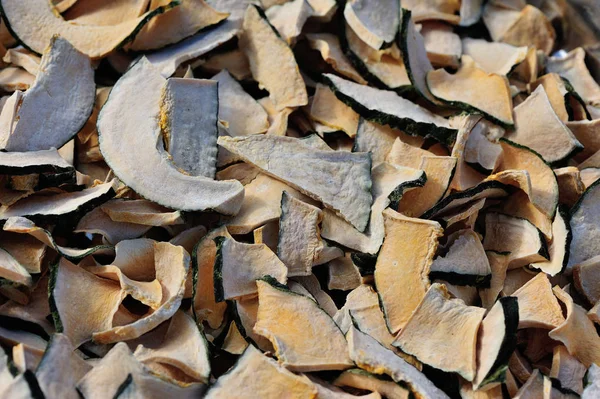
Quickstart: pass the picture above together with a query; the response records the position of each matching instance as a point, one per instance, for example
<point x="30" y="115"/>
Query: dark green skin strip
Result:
<point x="218" y="270"/>
<point x="124" y="385"/>
<point x="473" y="280"/>
<point x="51" y="302"/>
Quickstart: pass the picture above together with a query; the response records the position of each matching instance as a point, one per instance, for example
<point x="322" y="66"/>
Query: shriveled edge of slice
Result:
<point x="559" y="248"/>
<point x="385" y="22"/>
<point x="24" y="163"/>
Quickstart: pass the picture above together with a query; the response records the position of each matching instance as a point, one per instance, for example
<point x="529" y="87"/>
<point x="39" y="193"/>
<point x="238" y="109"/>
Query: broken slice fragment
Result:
<point x="12" y="272"/>
<point x="584" y="227"/>
<point x="386" y="107"/>
<point x="57" y="105"/>
<point x="142" y="212"/>
<point x="271" y="60"/>
<point x="573" y="68"/>
<point x="329" y="47"/>
<point x="442" y="332"/>
<point x="238" y="265"/>
<point x="585" y="279"/>
<point x="376" y="22"/>
<point x="289" y="18"/>
<point x="341" y="180"/>
<point x="494" y="57"/>
<point x="363" y="380"/>
<point x="287" y="319"/>
<point x="260" y="377"/>
<point x="34" y="22"/>
<point x="538" y="307"/>
<point x="143" y="163"/>
<point x="330" y="111"/>
<point x="558" y="250"/>
<point x="23" y="163"/>
<point x="474" y="90"/>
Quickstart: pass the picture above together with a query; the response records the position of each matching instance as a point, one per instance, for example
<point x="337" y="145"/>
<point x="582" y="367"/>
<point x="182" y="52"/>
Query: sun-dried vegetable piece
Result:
<point x="584" y="224"/>
<point x="35" y="311"/>
<point x="570" y="186"/>
<point x="289" y="19"/>
<point x="98" y="12"/>
<point x="377" y="139"/>
<point x="34" y="22"/>
<point x="567" y="370"/>
<point x="442" y="332"/>
<point x="585" y="279"/>
<point x="261" y="377"/>
<point x="15" y="79"/>
<point x="443" y="46"/>
<point x="386" y="107"/>
<point x="21" y="57"/>
<point x="98" y="222"/>
<point x="326" y="390"/>
<point x="558" y="249"/>
<point x="140" y="88"/>
<point x="245" y="317"/>
<point x="285" y="318"/>
<point x="289" y="160"/>
<point x="375" y="22"/>
<point x="270" y="59"/>
<point x="537" y="305"/>
<point x="444" y="10"/>
<point x="371" y="356"/>
<point x="402" y="289"/>
<point x="343" y="275"/>
<point x="573" y="68"/>
<point x="587" y="133"/>
<point x="494" y="57"/>
<point x="331" y="51"/>
<point x="363" y="380"/>
<point x="45" y="161"/>
<point x="141" y="212"/>
<point x="328" y="110"/>
<point x="405" y="154"/>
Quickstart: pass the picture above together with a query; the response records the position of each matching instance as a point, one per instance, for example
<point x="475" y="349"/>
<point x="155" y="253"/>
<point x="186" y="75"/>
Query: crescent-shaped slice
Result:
<point x="130" y="141"/>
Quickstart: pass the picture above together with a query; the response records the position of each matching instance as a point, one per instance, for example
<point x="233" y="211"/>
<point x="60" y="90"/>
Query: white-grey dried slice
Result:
<point x="48" y="115"/>
<point x="290" y="160"/>
<point x="588" y="134"/>
<point x="494" y="57"/>
<point x="234" y="61"/>
<point x="98" y="222"/>
<point x="23" y="163"/>
<point x="189" y="113"/>
<point x="34" y="22"/>
<point x="289" y="18"/>
<point x="573" y="68"/>
<point x="584" y="222"/>
<point x="443" y="46"/>
<point x="376" y="22"/>
<point x="470" y="12"/>
<point x="143" y="163"/>
<point x="558" y="249"/>
<point x="388" y="145"/>
<point x="12" y="272"/>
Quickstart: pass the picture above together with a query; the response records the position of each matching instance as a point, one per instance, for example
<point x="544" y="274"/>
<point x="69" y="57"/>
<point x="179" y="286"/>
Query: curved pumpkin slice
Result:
<point x="328" y="391"/>
<point x="442" y="332"/>
<point x="584" y="221"/>
<point x="557" y="93"/>
<point x="499" y="264"/>
<point x="183" y="347"/>
<point x="386" y="107"/>
<point x="260" y="377"/>
<point x="544" y="187"/>
<point x="108" y="377"/>
<point x="288" y="159"/>
<point x="405" y="154"/>
<point x="289" y="18"/>
<point x="585" y="279"/>
<point x="34" y="22"/>
<point x="328" y="110"/>
<point x="286" y="319"/>
<point x="573" y="68"/>
<point x="142" y="212"/>
<point x="577" y="332"/>
<point x="140" y="89"/>
<point x="271" y="59"/>
<point x="238" y="265"/>
<point x="475" y="93"/>
<point x="401" y="289"/>
<point x="494" y="57"/>
<point x="171" y="265"/>
<point x="465" y="262"/>
<point x="365" y="381"/>
<point x="331" y="51"/>
<point x="439" y="172"/>
<point x="538" y="308"/>
<point x="390" y="183"/>
<point x="60" y="369"/>
<point x="518" y="236"/>
<point x="567" y="369"/>
<point x="496" y="342"/>
<point x="424" y="10"/>
<point x="48" y="115"/>
<point x="519" y="205"/>
<point x="375" y="22"/>
<point x="559" y="247"/>
<point x="570" y="186"/>
<point x="544" y="133"/>
<point x="371" y="356"/>
<point x="189" y="113"/>
<point x="99" y="12"/>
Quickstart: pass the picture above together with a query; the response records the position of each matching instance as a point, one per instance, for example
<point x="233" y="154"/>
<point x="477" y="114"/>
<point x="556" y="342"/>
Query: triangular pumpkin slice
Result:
<point x="376" y="22"/>
<point x="442" y="332"/>
<point x="261" y="377"/>
<point x="286" y="319"/>
<point x="537" y="305"/>
<point x="318" y="174"/>
<point x="289" y="18"/>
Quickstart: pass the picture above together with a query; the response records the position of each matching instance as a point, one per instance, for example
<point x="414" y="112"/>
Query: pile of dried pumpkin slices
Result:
<point x="299" y="199"/>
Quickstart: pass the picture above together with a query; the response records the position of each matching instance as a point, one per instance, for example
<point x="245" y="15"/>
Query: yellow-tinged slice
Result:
<point x="557" y="93"/>
<point x="142" y="212"/>
<point x="245" y="319"/>
<point x="289" y="19"/>
<point x="287" y="320"/>
<point x="443" y="10"/>
<point x="102" y="12"/>
<point x="259" y="376"/>
<point x="443" y="46"/>
<point x="405" y="154"/>
<point x="343" y="274"/>
<point x="329" y="47"/>
<point x="330" y="111"/>
<point x="380" y="141"/>
<point x="21" y="57"/>
<point x="531" y="28"/>
<point x="363" y="380"/>
<point x="475" y="90"/>
<point x="98" y="222"/>
<point x="538" y="307"/>
<point x="494" y="57"/>
<point x="442" y="332"/>
<point x="13" y="271"/>
<point x="401" y="272"/>
<point x="559" y="247"/>
<point x="272" y="62"/>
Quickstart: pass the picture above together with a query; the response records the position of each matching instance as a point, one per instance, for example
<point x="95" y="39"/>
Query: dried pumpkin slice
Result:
<point x="242" y="113"/>
<point x="465" y="262"/>
<point x="401" y="289"/>
<point x="22" y="163"/>
<point x="60" y="369"/>
<point x="167" y="60"/>
<point x="343" y="275"/>
<point x="363" y="380"/>
<point x="287" y="159"/>
<point x="270" y="58"/>
<point x="504" y="233"/>
<point x="183" y="347"/>
<point x="260" y="377"/>
<point x="577" y="332"/>
<point x="475" y="96"/>
<point x="328" y="110"/>
<point x="142" y="212"/>
<point x="405" y="154"/>
<point x="537" y="305"/>
<point x="584" y="279"/>
<point x="589" y="176"/>
<point x="21" y="57"/>
<point x="377" y="139"/>
<point x="44" y="22"/>
<point x="442" y="332"/>
<point x="443" y="46"/>
<point x="444" y="10"/>
<point x="36" y="310"/>
<point x="141" y="86"/>
<point x="439" y="172"/>
<point x="97" y="12"/>
<point x="189" y="113"/>
<point x="14" y="79"/>
<point x="545" y="133"/>
<point x="567" y="370"/>
<point x="486" y="189"/>
<point x="238" y="265"/>
<point x="559" y="247"/>
<point x="375" y="22"/>
<point x="386" y="107"/>
<point x="331" y="51"/>
<point x="573" y="68"/>
<point x="245" y="316"/>
<point x="371" y="356"/>
<point x="587" y="133"/>
<point x="493" y="57"/>
<point x="584" y="227"/>
<point x="48" y="116"/>
<point x="289" y="18"/>
<point x="282" y="315"/>
<point x="327" y="390"/>
<point x="570" y="186"/>
<point x="496" y="342"/>
<point x="465" y="176"/>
